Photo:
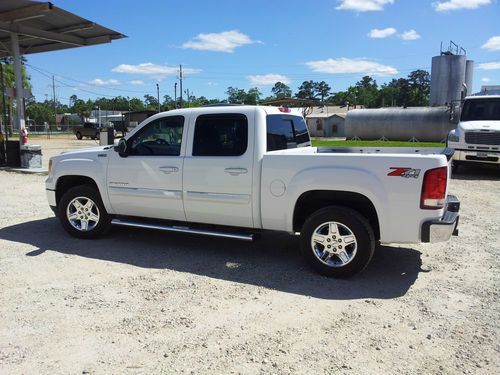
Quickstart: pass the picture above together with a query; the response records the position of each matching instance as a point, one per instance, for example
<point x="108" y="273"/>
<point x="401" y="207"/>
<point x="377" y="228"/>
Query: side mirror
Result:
<point x="121" y="148"/>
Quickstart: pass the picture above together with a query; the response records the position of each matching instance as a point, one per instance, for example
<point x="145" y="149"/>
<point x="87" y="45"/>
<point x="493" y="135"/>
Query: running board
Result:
<point x="135" y="224"/>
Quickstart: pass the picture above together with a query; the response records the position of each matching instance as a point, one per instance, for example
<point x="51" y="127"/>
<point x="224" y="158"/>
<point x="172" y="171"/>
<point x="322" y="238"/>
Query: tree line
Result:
<point x="410" y="91"/>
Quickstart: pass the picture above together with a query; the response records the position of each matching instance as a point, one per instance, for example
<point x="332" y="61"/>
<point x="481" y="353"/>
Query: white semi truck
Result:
<point x="477" y="136"/>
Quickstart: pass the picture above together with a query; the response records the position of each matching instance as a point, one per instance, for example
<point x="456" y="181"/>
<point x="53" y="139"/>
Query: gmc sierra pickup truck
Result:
<point x="233" y="171"/>
<point x="477" y="136"/>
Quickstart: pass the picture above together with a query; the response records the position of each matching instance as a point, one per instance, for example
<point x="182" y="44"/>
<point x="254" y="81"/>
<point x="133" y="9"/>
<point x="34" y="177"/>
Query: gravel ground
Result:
<point x="141" y="302"/>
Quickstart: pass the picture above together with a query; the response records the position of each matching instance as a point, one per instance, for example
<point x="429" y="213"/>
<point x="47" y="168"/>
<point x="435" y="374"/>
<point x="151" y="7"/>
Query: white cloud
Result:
<point x="363" y="5"/>
<point x="486" y="79"/>
<point x="226" y="41"/>
<point x="489" y="66"/>
<point x="381" y="33"/>
<point x="345" y="65"/>
<point x="137" y="82"/>
<point x="154" y="70"/>
<point x="410" y="35"/>
<point x="443" y="6"/>
<point x="493" y="44"/>
<point x="268" y="79"/>
<point x="104" y="82"/>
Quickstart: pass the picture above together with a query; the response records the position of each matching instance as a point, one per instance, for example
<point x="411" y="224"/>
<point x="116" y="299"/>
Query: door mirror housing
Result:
<point x="121" y="148"/>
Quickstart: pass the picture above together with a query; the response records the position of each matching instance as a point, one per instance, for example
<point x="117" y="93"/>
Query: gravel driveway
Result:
<point x="142" y="302"/>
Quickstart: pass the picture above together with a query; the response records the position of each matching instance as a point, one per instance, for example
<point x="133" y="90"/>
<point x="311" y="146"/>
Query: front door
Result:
<point x="218" y="171"/>
<point x="148" y="182"/>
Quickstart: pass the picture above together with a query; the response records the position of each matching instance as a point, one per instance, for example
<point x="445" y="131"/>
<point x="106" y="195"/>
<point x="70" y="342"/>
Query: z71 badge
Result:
<point x="404" y="172"/>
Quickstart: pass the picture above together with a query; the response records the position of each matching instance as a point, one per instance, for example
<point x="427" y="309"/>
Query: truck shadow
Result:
<point x="473" y="171"/>
<point x="272" y="262"/>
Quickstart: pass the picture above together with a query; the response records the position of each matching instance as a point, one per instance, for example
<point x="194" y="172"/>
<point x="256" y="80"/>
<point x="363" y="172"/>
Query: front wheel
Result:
<point x="337" y="241"/>
<point x="78" y="135"/>
<point x="82" y="212"/>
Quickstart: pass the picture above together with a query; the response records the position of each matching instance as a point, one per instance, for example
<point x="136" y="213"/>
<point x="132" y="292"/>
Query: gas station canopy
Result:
<point x="43" y="27"/>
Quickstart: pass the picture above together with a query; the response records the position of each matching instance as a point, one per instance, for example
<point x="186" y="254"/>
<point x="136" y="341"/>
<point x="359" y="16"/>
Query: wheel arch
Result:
<point x="64" y="183"/>
<point x="313" y="200"/>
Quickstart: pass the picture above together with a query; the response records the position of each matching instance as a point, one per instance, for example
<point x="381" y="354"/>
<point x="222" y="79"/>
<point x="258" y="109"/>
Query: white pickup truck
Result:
<point x="477" y="136"/>
<point x="233" y="171"/>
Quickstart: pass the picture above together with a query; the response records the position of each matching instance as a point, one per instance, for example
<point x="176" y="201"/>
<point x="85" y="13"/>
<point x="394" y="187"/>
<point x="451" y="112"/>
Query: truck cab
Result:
<point x="477" y="136"/>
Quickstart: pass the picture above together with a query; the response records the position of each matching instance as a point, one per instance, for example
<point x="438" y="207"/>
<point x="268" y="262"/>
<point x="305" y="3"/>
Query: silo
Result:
<point x="469" y="73"/>
<point x="425" y="124"/>
<point x="447" y="78"/>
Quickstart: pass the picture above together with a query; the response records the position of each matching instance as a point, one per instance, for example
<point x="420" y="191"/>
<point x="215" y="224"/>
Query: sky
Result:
<point x="244" y="44"/>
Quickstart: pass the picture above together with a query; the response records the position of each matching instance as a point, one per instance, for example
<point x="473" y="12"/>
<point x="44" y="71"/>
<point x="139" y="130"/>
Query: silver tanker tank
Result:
<point x="424" y="124"/>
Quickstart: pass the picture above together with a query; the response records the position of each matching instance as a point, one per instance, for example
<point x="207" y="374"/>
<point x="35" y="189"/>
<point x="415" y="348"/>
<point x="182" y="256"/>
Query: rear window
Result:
<point x="285" y="131"/>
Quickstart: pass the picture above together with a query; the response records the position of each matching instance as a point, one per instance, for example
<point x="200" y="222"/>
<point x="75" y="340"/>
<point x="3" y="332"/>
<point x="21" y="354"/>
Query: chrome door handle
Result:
<point x="169" y="169"/>
<point x="236" y="171"/>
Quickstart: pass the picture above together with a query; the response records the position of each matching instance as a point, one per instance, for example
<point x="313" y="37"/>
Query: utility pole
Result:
<point x="54" y="102"/>
<point x="180" y="80"/>
<point x="4" y="108"/>
<point x="158" y="96"/>
<point x="175" y="94"/>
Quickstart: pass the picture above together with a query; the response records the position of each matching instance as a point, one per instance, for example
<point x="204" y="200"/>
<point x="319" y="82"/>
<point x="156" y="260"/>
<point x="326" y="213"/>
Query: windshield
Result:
<point x="481" y="110"/>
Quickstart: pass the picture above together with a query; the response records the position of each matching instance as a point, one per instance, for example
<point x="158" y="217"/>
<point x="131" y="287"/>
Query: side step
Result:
<point x="136" y="224"/>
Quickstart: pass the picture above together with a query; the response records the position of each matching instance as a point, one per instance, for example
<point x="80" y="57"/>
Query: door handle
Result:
<point x="236" y="171"/>
<point x="169" y="169"/>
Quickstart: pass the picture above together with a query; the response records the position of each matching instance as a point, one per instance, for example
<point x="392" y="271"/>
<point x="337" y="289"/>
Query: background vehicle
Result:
<point x="233" y="171"/>
<point x="477" y="136"/>
<point x="88" y="129"/>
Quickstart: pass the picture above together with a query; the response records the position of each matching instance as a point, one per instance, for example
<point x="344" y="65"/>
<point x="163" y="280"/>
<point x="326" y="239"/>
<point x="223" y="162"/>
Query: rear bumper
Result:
<point x="442" y="229"/>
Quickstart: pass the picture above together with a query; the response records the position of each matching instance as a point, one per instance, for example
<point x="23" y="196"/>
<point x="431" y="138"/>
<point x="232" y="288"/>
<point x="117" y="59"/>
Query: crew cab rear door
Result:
<point x="218" y="169"/>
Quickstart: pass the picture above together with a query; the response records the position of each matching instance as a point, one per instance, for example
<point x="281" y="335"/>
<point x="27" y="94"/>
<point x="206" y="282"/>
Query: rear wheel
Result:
<point x="82" y="212"/>
<point x="337" y="241"/>
<point x="78" y="135"/>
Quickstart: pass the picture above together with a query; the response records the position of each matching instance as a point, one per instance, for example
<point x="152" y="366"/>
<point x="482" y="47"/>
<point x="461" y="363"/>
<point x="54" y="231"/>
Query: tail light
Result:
<point x="434" y="189"/>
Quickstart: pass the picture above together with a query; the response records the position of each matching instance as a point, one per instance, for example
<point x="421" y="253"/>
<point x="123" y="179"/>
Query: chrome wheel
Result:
<point x="334" y="244"/>
<point x="83" y="214"/>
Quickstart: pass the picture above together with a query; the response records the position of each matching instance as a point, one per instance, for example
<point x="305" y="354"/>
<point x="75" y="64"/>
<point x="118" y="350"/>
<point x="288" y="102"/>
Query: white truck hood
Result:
<point x="480" y="125"/>
<point x="86" y="150"/>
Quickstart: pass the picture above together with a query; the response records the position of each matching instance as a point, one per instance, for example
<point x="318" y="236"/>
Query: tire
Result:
<point x="97" y="136"/>
<point x="348" y="233"/>
<point x="81" y="207"/>
<point x="78" y="135"/>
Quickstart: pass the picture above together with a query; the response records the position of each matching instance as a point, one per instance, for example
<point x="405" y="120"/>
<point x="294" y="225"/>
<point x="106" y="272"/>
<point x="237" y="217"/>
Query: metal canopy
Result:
<point x="32" y="26"/>
<point x="43" y="27"/>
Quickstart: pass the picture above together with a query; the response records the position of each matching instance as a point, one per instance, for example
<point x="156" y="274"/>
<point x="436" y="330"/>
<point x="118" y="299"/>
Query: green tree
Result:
<point x="420" y="84"/>
<point x="306" y="91"/>
<point x="253" y="96"/>
<point x="280" y="90"/>
<point x="321" y="90"/>
<point x="236" y="95"/>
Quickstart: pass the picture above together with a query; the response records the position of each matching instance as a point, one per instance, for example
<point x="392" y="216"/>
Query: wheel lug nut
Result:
<point x="328" y="240"/>
<point x="340" y="246"/>
<point x="328" y="246"/>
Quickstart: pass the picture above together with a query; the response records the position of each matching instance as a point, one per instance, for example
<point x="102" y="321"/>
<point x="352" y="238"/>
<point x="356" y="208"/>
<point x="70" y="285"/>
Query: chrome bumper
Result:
<point x="442" y="229"/>
<point x="481" y="156"/>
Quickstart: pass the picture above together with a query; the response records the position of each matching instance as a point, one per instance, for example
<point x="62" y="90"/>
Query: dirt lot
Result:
<point x="141" y="302"/>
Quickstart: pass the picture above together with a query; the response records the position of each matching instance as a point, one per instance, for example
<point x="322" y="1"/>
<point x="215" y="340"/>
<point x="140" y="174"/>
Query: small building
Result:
<point x="327" y="121"/>
<point x="134" y="118"/>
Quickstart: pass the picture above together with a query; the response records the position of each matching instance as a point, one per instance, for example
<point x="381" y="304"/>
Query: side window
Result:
<point x="162" y="137"/>
<point x="220" y="135"/>
<point x="285" y="132"/>
<point x="301" y="134"/>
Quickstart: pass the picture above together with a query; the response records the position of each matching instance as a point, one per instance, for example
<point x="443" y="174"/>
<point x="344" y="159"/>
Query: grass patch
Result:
<point x="317" y="142"/>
